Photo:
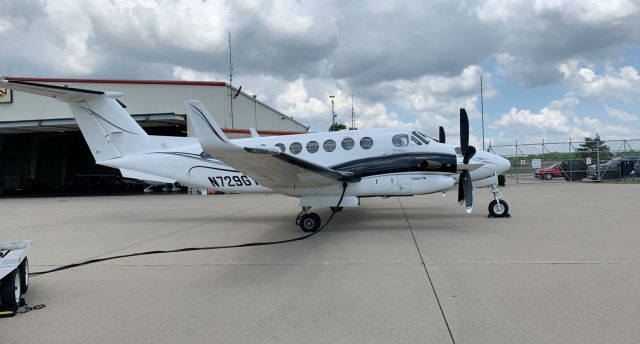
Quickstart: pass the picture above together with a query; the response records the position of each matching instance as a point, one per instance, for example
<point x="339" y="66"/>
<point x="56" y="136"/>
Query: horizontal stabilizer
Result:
<point x="65" y="94"/>
<point x="149" y="178"/>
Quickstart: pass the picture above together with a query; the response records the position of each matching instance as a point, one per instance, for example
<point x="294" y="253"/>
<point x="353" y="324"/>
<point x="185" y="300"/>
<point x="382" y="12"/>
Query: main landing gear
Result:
<point x="498" y="207"/>
<point x="308" y="221"/>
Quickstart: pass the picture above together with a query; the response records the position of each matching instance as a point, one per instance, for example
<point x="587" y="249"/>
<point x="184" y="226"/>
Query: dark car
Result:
<point x="574" y="169"/>
<point x="616" y="169"/>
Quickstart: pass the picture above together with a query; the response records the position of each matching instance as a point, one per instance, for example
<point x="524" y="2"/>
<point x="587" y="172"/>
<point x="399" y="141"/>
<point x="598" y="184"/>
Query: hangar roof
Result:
<point x="145" y="119"/>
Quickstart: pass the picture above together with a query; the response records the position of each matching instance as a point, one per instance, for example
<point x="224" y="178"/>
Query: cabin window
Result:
<point x="347" y="143"/>
<point x="400" y="140"/>
<point x="295" y="148"/>
<point x="281" y="146"/>
<point x="366" y="142"/>
<point x="416" y="141"/>
<point x="329" y="145"/>
<point x="313" y="146"/>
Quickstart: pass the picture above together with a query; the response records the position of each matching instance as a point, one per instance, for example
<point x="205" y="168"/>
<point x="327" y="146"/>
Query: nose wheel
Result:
<point x="498" y="207"/>
<point x="309" y="222"/>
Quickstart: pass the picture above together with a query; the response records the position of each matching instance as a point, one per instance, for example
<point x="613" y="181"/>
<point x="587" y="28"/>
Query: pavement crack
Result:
<point x="426" y="270"/>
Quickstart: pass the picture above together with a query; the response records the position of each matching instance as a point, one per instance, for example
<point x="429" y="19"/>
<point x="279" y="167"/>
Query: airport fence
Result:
<point x="573" y="161"/>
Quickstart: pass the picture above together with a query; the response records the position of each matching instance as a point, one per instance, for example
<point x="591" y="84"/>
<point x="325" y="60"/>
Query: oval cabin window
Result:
<point x="295" y="148"/>
<point x="329" y="145"/>
<point x="347" y="143"/>
<point x="281" y="146"/>
<point x="366" y="142"/>
<point x="313" y="146"/>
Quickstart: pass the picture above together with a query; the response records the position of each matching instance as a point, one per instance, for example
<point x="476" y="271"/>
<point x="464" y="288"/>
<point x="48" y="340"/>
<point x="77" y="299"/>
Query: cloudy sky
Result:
<point x="552" y="69"/>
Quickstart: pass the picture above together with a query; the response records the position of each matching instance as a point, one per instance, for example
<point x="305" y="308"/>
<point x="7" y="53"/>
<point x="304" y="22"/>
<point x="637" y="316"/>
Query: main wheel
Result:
<point x="24" y="275"/>
<point x="10" y="291"/>
<point x="309" y="222"/>
<point x="548" y="176"/>
<point x="498" y="209"/>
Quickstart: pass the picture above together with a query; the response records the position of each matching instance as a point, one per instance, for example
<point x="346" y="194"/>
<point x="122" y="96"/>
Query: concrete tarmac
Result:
<point x="563" y="269"/>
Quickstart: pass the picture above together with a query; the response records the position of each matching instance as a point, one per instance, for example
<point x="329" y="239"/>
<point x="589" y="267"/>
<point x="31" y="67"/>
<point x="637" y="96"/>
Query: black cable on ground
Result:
<point x="187" y="249"/>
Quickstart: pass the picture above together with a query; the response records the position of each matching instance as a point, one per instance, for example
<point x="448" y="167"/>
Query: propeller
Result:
<point x="441" y="137"/>
<point x="465" y="188"/>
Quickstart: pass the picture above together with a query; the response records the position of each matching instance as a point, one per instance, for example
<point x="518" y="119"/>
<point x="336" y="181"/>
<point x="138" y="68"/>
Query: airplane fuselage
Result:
<point x="390" y="162"/>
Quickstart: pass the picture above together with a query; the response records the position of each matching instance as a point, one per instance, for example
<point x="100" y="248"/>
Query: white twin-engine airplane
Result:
<point x="327" y="169"/>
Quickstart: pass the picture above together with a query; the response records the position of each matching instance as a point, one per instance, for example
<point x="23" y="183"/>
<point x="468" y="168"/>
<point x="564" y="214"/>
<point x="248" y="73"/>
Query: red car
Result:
<point x="549" y="173"/>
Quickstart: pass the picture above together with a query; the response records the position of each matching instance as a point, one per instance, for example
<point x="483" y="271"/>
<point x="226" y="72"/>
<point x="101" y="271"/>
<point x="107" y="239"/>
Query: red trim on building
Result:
<point x="262" y="132"/>
<point x="113" y="81"/>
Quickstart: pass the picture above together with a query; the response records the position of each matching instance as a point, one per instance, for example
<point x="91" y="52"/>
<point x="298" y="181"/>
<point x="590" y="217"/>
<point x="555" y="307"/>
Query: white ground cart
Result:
<point x="14" y="275"/>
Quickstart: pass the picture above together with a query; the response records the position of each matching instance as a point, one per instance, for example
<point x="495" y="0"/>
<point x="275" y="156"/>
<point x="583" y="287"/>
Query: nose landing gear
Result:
<point x="498" y="207"/>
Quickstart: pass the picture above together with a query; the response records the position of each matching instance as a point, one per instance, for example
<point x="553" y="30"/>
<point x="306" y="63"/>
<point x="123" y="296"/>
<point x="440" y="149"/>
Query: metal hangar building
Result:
<point x="42" y="149"/>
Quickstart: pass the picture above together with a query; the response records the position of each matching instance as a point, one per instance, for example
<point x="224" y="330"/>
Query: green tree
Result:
<point x="337" y="127"/>
<point x="591" y="146"/>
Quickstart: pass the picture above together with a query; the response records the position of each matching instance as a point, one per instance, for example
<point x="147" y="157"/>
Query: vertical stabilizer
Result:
<point x="107" y="127"/>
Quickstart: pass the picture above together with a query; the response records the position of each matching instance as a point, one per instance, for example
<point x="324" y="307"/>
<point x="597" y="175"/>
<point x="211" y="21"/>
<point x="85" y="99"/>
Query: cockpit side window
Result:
<point x="400" y="140"/>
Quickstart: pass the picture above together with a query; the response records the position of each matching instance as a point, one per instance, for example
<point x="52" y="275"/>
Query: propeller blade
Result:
<point x="468" y="191"/>
<point x="464" y="131"/>
<point x="471" y="151"/>
<point x="461" y="188"/>
<point x="441" y="137"/>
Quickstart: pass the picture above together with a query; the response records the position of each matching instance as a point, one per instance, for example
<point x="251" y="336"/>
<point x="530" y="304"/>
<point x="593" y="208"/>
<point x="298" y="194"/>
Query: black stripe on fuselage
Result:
<point x="398" y="163"/>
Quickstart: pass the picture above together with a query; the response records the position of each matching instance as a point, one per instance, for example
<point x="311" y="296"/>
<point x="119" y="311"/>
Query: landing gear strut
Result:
<point x="498" y="207"/>
<point x="308" y="221"/>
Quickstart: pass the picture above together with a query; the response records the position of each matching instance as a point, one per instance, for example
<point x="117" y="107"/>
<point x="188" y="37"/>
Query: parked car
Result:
<point x="574" y="169"/>
<point x="549" y="173"/>
<point x="616" y="169"/>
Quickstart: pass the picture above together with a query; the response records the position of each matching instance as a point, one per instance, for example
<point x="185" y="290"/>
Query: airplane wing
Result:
<point x="268" y="166"/>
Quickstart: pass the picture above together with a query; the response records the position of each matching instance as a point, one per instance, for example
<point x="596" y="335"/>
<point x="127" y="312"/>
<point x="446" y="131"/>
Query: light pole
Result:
<point x="482" y="110"/>
<point x="333" y="114"/>
<point x="255" y="109"/>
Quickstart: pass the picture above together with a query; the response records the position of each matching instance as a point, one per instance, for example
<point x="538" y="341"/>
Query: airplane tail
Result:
<point x="107" y="127"/>
<point x="211" y="137"/>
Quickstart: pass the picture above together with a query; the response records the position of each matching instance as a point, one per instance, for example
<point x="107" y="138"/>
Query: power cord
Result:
<point x="187" y="249"/>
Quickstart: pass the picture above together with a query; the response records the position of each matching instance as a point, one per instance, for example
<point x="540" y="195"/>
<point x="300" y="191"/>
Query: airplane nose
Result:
<point x="503" y="164"/>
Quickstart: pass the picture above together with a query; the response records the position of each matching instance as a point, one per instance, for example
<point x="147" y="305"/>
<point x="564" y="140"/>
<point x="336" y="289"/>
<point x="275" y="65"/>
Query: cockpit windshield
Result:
<point x="422" y="137"/>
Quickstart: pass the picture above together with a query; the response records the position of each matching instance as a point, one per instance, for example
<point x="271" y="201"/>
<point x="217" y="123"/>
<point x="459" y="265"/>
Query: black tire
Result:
<point x="309" y="222"/>
<point x="336" y="209"/>
<point x="498" y="211"/>
<point x="10" y="291"/>
<point x="24" y="275"/>
<point x="548" y="176"/>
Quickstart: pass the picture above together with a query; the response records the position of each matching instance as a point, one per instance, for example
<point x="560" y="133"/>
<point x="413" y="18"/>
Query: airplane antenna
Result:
<point x="230" y="80"/>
